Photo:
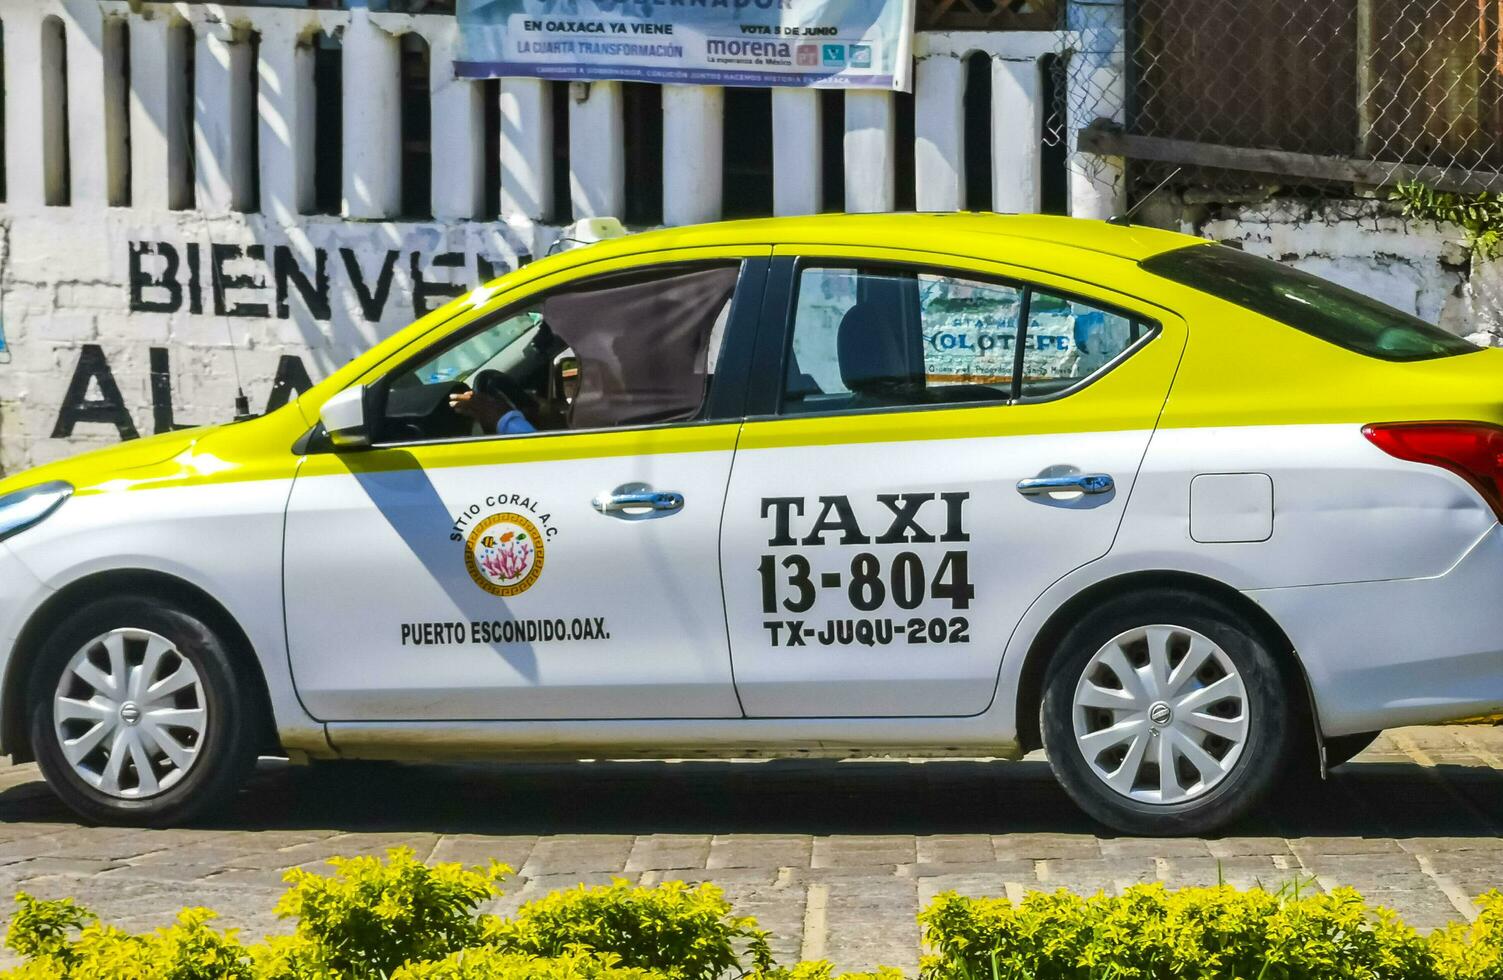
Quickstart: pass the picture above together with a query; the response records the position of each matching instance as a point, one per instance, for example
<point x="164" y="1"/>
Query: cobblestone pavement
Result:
<point x="834" y="858"/>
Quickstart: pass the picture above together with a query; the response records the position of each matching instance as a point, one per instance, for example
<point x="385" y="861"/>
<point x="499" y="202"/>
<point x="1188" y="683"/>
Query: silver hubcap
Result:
<point x="1161" y="714"/>
<point x="130" y="714"/>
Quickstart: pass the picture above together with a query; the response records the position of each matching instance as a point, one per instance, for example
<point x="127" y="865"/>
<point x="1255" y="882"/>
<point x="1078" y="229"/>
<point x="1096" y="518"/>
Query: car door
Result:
<point x="936" y="441"/>
<point x="564" y="574"/>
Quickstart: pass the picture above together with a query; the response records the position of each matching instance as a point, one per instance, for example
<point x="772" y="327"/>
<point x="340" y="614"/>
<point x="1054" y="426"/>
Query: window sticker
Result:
<point x="970" y="330"/>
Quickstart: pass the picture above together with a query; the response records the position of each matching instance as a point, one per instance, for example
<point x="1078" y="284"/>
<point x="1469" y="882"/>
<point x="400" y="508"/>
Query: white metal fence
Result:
<point x="107" y="77"/>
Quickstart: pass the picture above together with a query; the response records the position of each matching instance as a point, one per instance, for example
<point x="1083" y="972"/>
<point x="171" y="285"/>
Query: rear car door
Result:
<point x="932" y="442"/>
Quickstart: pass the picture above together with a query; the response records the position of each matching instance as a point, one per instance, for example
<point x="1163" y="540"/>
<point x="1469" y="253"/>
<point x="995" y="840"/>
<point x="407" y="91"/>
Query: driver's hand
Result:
<point x="484" y="409"/>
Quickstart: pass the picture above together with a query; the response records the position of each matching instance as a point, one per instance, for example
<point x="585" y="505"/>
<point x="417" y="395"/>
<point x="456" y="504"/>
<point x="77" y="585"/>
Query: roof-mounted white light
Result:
<point x="587" y="231"/>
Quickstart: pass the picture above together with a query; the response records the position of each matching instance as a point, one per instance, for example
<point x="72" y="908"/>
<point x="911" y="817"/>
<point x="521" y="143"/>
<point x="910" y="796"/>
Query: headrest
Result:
<point x="870" y="348"/>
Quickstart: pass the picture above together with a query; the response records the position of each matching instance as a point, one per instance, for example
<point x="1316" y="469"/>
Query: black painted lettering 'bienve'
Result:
<point x="174" y="278"/>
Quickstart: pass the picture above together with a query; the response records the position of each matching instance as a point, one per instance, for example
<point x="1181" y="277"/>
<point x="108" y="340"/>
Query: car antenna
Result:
<point x="1126" y="218"/>
<point x="242" y="404"/>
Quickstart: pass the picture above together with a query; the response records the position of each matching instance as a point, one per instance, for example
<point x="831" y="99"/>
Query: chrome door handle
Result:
<point x="657" y="501"/>
<point x="1091" y="483"/>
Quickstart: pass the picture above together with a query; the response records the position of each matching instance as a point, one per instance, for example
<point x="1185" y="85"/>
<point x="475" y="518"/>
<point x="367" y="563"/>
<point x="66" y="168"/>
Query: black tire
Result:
<point x="224" y="753"/>
<point x="1341" y="749"/>
<point x="1274" y="694"/>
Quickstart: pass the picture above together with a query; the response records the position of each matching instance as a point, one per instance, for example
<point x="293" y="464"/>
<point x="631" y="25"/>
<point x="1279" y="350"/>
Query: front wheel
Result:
<point x="1167" y="714"/>
<point x="140" y="716"/>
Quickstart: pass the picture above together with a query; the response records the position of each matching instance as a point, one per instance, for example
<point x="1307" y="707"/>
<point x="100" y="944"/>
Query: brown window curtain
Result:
<point x="642" y="345"/>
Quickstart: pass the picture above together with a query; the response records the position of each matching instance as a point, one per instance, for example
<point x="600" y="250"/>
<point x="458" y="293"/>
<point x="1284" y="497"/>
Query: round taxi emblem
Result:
<point x="504" y="554"/>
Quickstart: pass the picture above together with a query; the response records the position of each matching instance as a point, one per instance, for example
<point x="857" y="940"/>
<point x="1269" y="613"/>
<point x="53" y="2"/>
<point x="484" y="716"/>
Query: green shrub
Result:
<point x="1473" y="951"/>
<point x="370" y="916"/>
<point x="187" y="950"/>
<point x="401" y="920"/>
<point x="684" y="932"/>
<point x="493" y="964"/>
<point x="293" y="958"/>
<point x="1148" y="932"/>
<point x="823" y="970"/>
<point x="39" y="928"/>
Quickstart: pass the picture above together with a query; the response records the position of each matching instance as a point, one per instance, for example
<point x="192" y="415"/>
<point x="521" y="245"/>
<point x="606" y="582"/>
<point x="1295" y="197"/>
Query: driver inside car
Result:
<point x="490" y="413"/>
<point x="574" y="361"/>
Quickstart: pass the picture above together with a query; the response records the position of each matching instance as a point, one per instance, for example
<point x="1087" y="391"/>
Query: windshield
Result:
<point x="467" y="358"/>
<point x="1307" y="303"/>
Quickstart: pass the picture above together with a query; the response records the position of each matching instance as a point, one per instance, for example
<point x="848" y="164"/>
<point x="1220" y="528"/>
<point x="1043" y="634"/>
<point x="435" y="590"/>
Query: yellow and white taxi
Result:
<point x="910" y="485"/>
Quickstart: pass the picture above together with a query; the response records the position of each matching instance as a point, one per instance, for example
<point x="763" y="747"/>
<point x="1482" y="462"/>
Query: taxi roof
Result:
<point x="972" y="233"/>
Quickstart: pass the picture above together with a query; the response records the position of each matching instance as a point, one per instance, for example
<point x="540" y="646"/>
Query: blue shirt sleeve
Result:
<point x="513" y="423"/>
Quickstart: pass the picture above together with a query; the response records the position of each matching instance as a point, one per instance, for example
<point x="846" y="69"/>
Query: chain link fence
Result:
<point x="1341" y="99"/>
<point x="1087" y="82"/>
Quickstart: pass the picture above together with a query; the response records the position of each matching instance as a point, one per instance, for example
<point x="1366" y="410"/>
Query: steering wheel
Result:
<point x="494" y="384"/>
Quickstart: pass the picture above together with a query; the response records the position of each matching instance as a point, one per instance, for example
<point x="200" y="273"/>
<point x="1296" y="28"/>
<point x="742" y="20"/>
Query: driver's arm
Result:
<point x="513" y="423"/>
<point x="492" y="414"/>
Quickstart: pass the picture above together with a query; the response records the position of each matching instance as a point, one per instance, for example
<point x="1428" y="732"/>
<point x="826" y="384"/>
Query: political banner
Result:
<point x="793" y="43"/>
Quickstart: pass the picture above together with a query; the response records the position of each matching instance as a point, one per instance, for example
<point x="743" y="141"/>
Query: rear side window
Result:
<point x="888" y="338"/>
<point x="1307" y="303"/>
<point x="1068" y="340"/>
<point x="893" y="337"/>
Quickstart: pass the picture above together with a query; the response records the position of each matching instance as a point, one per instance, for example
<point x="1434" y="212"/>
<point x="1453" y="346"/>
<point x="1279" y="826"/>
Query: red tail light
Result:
<point x="1471" y="450"/>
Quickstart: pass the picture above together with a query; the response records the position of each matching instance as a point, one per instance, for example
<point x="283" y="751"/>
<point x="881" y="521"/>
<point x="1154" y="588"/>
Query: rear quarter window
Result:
<point x="1307" y="303"/>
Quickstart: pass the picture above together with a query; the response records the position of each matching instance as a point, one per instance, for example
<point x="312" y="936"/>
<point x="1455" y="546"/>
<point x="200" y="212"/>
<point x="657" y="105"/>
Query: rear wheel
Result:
<point x="1166" y="713"/>
<point x="139" y="714"/>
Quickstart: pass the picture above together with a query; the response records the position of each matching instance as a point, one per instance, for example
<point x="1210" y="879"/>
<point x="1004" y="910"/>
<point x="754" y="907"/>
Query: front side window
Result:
<point x="883" y="337"/>
<point x="1307" y="303"/>
<point x="622" y="350"/>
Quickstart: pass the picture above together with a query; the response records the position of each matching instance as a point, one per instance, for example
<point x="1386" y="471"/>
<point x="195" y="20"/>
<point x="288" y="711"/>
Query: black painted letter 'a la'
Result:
<point x="78" y="407"/>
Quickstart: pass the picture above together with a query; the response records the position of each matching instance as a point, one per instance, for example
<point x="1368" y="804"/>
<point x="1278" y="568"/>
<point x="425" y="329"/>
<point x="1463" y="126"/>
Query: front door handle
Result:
<point x="1089" y="483"/>
<point x="639" y="502"/>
